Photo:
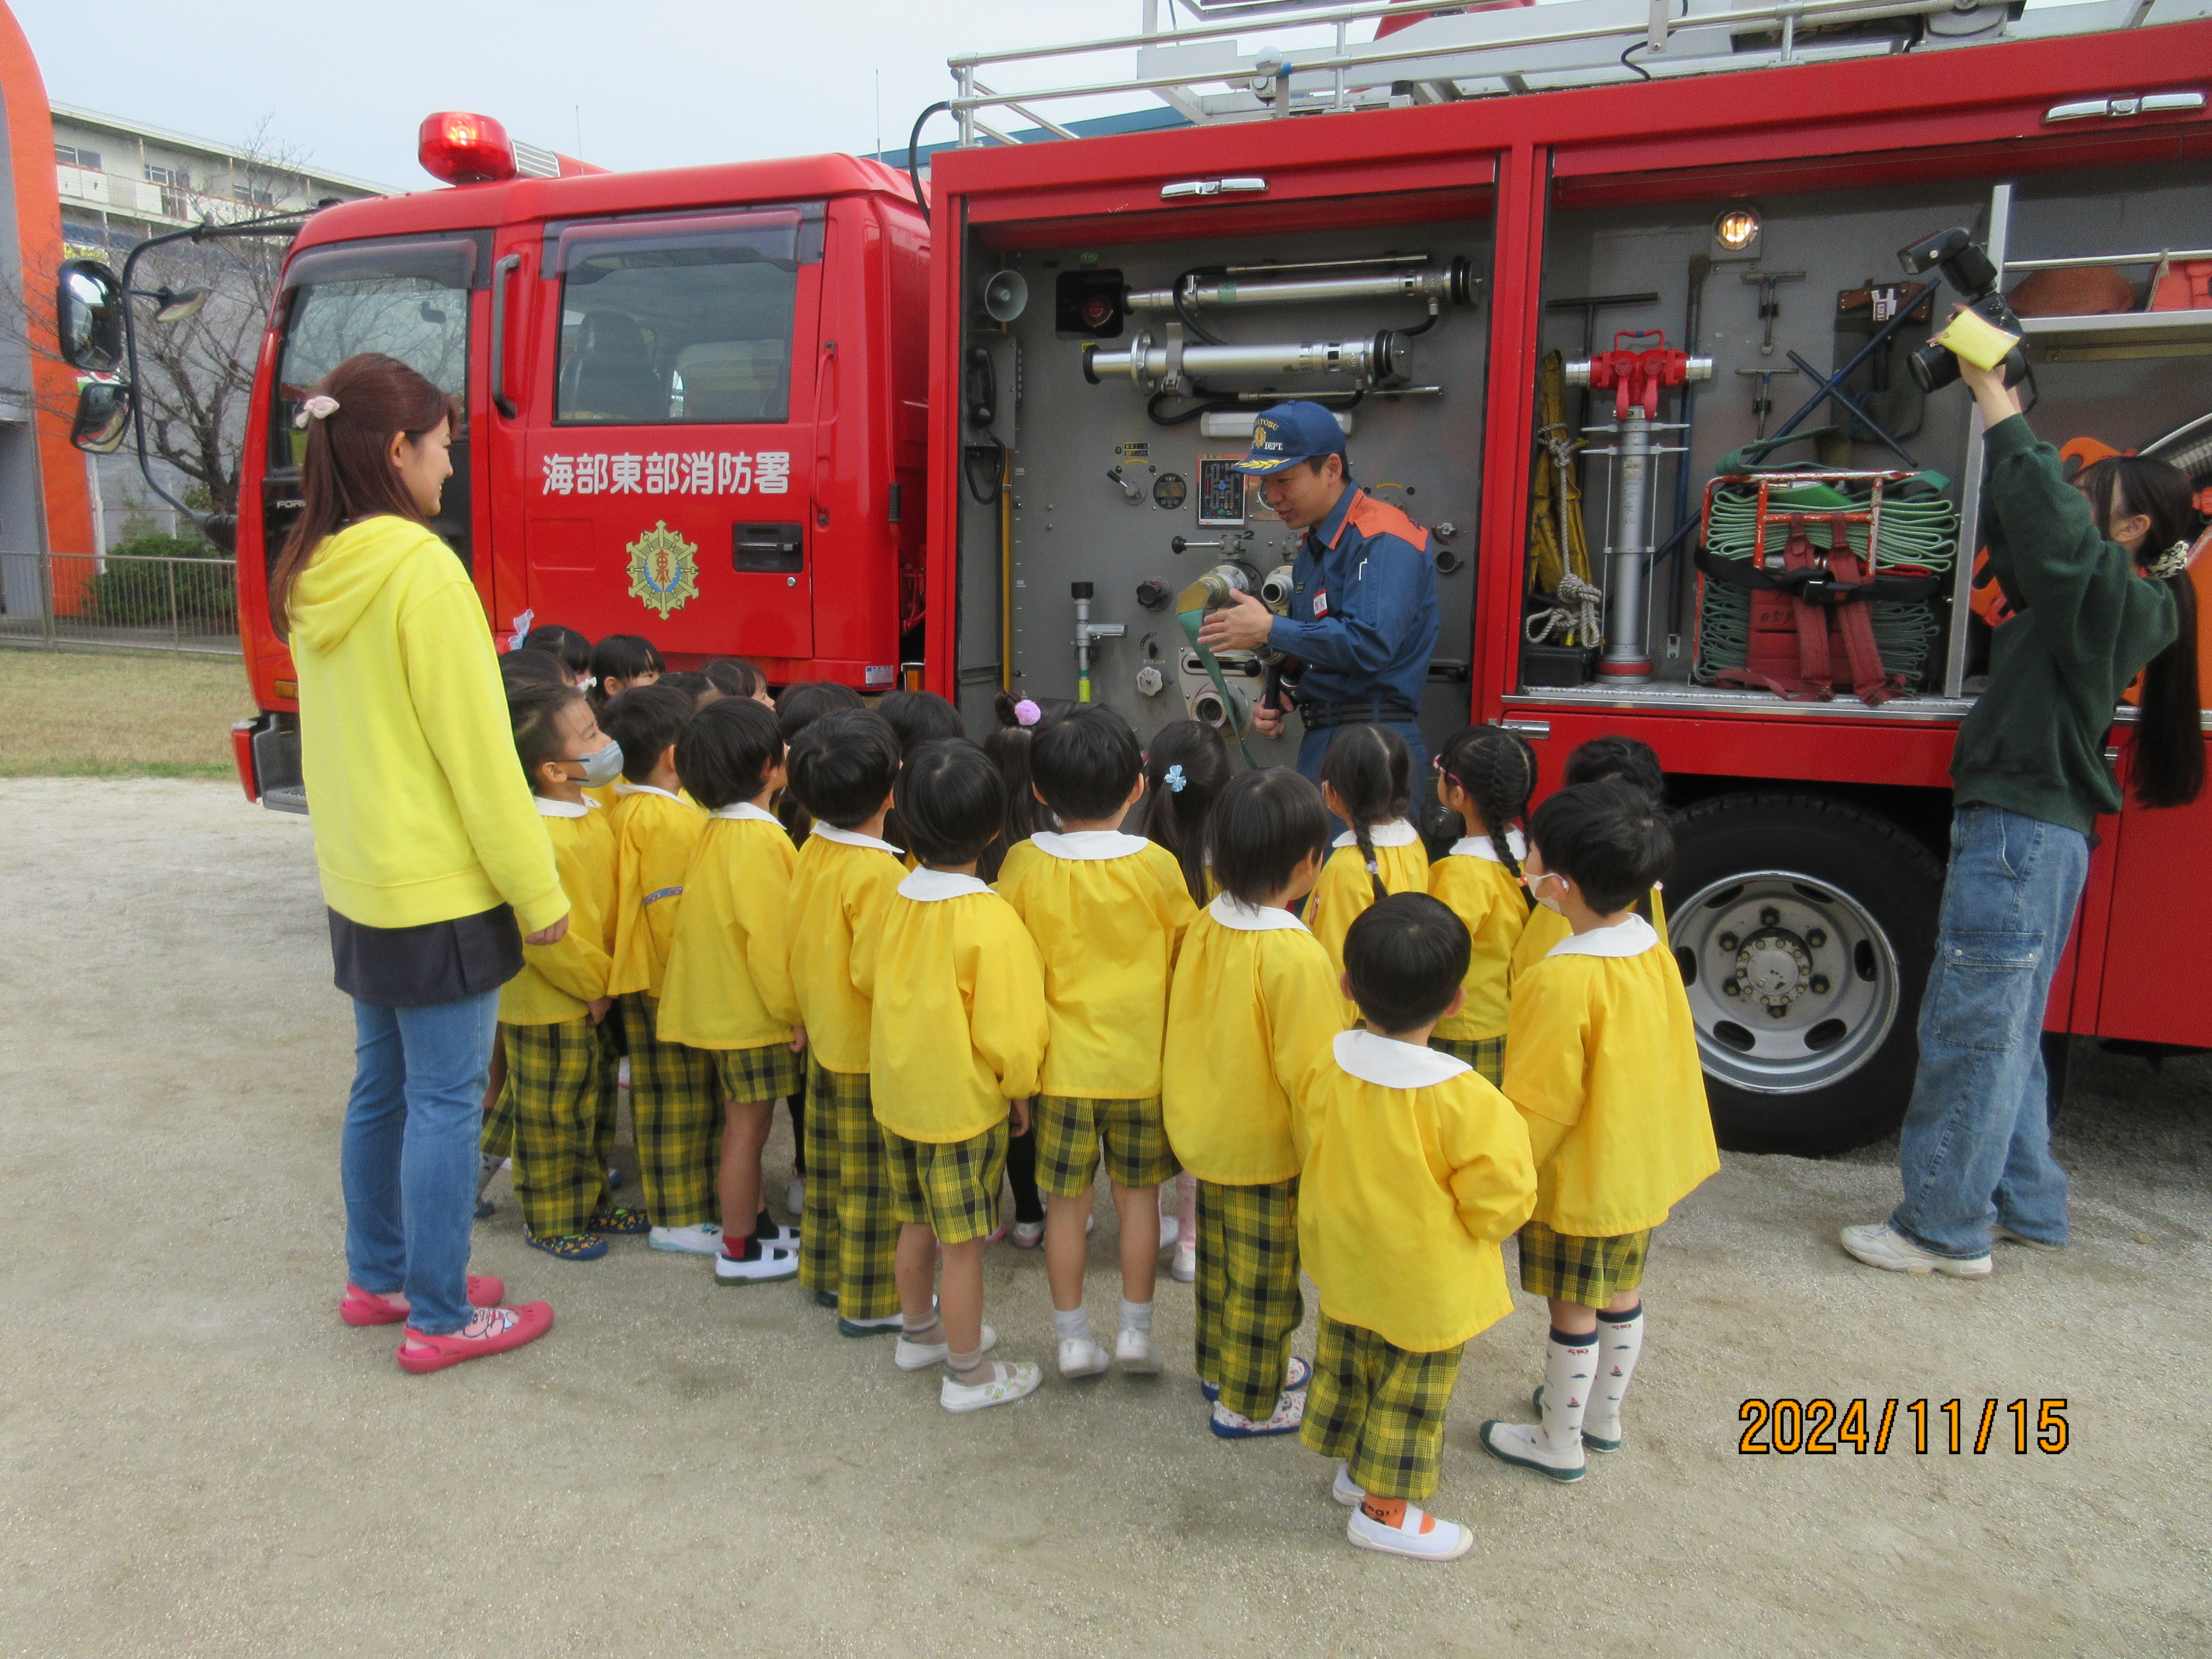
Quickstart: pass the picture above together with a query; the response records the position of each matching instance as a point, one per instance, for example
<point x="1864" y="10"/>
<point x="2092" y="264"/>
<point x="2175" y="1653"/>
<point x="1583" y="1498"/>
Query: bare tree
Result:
<point x="195" y="376"/>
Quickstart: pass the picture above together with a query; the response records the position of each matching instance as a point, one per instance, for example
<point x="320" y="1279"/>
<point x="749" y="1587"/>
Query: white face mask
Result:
<point x="1546" y="899"/>
<point x="601" y="767"/>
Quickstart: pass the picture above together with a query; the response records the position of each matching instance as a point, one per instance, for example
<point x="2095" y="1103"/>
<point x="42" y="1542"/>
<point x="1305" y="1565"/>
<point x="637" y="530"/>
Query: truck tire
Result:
<point x="1804" y="928"/>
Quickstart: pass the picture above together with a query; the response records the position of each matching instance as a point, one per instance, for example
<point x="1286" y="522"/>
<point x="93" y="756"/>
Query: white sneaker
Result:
<point x="1134" y="1353"/>
<point x="1419" y="1534"/>
<point x="705" y="1239"/>
<point x="1170" y="1228"/>
<point x="1290" y="1412"/>
<point x="1081" y="1356"/>
<point x="1008" y="1383"/>
<point x="1028" y="1234"/>
<point x="1881" y="1245"/>
<point x="794" y="1196"/>
<point x="769" y="1264"/>
<point x="1529" y="1446"/>
<point x="1343" y="1489"/>
<point x="921" y="1356"/>
<point x="1184" y="1268"/>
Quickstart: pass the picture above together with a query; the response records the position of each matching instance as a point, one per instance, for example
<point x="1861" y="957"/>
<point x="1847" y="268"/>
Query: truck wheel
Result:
<point x="1804" y="928"/>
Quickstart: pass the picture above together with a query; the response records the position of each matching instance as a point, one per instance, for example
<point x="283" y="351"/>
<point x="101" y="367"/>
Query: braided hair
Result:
<point x="1371" y="768"/>
<point x="1497" y="770"/>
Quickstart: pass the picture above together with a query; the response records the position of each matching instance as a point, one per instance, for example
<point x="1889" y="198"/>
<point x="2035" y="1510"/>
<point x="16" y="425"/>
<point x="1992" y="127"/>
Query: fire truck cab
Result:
<point x="1406" y="230"/>
<point x="691" y="407"/>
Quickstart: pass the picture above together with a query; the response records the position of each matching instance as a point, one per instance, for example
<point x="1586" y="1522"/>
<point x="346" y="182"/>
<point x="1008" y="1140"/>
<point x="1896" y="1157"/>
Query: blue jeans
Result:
<point x="1315" y="744"/>
<point x="408" y="1160"/>
<point x="1977" y="1145"/>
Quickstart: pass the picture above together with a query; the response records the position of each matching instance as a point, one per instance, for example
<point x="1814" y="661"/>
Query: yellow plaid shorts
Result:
<point x="950" y="1187"/>
<point x="1486" y="1055"/>
<point x="1380" y="1407"/>
<point x="1071" y="1128"/>
<point x="1591" y="1271"/>
<point x="770" y="1072"/>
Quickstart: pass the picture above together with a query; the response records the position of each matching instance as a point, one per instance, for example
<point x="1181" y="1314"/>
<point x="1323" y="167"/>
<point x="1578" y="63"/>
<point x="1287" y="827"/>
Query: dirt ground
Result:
<point x="200" y="1459"/>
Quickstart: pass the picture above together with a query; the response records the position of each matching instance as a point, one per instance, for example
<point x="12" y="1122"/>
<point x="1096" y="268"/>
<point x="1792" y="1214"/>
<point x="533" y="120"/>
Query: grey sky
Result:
<point x="659" y="83"/>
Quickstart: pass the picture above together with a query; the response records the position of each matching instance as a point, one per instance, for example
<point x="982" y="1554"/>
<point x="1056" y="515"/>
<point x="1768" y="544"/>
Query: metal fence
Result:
<point x="123" y="602"/>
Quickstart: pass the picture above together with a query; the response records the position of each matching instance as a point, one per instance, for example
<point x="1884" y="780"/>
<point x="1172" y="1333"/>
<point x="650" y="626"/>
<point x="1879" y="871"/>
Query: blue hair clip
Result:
<point x="1174" y="779"/>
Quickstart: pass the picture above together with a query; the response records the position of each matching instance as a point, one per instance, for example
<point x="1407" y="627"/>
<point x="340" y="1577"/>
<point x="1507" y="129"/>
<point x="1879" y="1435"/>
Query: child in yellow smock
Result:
<point x="956" y="1044"/>
<point x="1253" y="1004"/>
<point x="1366" y="780"/>
<point x="842" y="767"/>
<point x="1414" y="1167"/>
<point x="1612" y="757"/>
<point x="1107" y="912"/>
<point x="670" y="1087"/>
<point x="1484" y="775"/>
<point x="727" y="992"/>
<point x="548" y="1012"/>
<point x="1601" y="1063"/>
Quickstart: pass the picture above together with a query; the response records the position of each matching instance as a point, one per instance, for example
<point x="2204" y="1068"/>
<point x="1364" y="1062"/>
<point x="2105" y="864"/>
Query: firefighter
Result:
<point x="1363" y="614"/>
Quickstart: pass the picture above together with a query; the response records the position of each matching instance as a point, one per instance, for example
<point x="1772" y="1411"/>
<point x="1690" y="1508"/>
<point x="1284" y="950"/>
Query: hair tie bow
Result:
<point x="1027" y="712"/>
<point x="1174" y="779"/>
<point x="317" y="405"/>
<point x="2171" y="563"/>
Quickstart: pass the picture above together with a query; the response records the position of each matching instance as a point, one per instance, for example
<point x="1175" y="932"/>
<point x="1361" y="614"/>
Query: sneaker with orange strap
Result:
<point x="1396" y="1526"/>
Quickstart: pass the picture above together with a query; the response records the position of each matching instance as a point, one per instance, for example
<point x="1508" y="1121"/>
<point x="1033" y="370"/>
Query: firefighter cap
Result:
<point x="1291" y="432"/>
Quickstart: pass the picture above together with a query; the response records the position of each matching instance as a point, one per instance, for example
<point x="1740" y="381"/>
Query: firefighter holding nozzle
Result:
<point x="1362" y="613"/>
<point x="2096" y="572"/>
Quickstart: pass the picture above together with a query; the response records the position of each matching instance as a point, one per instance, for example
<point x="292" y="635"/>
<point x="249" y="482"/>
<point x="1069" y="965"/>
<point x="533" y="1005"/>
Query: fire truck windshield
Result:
<point x="687" y="322"/>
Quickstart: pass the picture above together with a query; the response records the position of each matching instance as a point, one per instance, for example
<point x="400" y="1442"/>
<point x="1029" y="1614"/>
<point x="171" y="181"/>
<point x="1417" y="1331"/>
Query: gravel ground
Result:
<point x="200" y="1459"/>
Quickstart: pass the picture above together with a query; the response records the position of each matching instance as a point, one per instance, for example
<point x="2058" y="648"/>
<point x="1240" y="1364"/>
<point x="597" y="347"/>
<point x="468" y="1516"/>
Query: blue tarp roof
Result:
<point x="1142" y="121"/>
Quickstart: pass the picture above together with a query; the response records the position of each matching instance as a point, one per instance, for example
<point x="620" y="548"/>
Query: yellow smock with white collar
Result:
<point x="1601" y="1063"/>
<point x="654" y="835"/>
<point x="1344" y="891"/>
<point x="1107" y="912"/>
<point x="1473" y="881"/>
<point x="1253" y="1002"/>
<point x="557" y="980"/>
<point x="728" y="984"/>
<point x="1415" y="1169"/>
<point x="959" y="1025"/>
<point x="1547" y="927"/>
<point x="840" y="887"/>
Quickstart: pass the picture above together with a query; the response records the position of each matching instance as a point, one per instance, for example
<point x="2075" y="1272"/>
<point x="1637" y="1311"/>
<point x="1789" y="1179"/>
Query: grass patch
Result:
<point x="84" y="714"/>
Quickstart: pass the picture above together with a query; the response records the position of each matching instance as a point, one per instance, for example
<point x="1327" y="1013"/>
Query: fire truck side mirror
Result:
<point x="103" y="416"/>
<point x="89" y="316"/>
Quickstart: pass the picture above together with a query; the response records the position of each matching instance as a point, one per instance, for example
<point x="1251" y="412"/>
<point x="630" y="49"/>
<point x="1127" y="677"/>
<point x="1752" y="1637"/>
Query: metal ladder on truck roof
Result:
<point x="1201" y="71"/>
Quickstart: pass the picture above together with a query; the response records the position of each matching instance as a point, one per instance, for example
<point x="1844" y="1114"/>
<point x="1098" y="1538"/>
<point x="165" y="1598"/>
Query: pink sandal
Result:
<point x="360" y="1307"/>
<point x="494" y="1330"/>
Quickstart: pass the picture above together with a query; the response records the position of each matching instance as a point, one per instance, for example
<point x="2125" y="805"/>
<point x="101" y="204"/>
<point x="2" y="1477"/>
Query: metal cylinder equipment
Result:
<point x="1170" y="364"/>
<point x="1245" y="286"/>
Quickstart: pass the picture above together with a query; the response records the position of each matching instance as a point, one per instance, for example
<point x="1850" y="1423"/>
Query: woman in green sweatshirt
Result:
<point x="430" y="846"/>
<point x="2096" y="572"/>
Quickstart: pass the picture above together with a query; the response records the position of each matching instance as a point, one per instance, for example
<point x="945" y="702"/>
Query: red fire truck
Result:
<point x="1407" y="229"/>
<point x="725" y="407"/>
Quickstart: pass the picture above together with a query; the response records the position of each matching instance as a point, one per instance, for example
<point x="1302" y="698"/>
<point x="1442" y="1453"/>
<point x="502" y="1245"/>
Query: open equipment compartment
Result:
<point x="1782" y="288"/>
<point x="1071" y="482"/>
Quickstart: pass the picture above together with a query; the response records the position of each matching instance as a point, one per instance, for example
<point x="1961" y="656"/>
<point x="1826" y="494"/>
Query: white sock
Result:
<point x="1136" y="1315"/>
<point x="1073" y="1326"/>
<point x="1620" y="1342"/>
<point x="1569" y="1363"/>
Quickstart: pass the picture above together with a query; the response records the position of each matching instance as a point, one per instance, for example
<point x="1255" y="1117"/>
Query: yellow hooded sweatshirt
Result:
<point x="420" y="808"/>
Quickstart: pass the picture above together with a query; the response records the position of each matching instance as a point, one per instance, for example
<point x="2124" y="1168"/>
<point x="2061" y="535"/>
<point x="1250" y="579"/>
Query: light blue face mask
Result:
<point x="601" y="767"/>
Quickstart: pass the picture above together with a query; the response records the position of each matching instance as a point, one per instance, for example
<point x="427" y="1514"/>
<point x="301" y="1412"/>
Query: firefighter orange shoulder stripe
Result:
<point x="1373" y="518"/>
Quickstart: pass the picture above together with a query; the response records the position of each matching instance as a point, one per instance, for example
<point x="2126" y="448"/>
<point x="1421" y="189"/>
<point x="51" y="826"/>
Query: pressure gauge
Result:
<point x="1169" y="491"/>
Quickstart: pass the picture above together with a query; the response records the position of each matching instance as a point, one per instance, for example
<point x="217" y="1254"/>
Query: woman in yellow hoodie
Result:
<point x="434" y="862"/>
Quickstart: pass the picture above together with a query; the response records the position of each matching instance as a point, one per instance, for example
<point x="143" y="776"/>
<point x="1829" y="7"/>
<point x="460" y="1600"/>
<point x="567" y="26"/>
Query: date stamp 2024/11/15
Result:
<point x="1817" y="1428"/>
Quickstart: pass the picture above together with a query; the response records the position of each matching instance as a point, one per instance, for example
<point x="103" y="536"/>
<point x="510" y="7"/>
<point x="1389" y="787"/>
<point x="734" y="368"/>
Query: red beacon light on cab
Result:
<point x="462" y="149"/>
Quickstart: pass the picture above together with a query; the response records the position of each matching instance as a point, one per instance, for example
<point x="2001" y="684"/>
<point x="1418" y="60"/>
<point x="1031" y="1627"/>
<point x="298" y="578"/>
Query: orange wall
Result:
<point x="38" y="230"/>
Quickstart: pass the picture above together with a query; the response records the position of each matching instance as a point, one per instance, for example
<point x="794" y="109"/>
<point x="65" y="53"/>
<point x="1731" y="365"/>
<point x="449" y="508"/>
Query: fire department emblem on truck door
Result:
<point x="664" y="569"/>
